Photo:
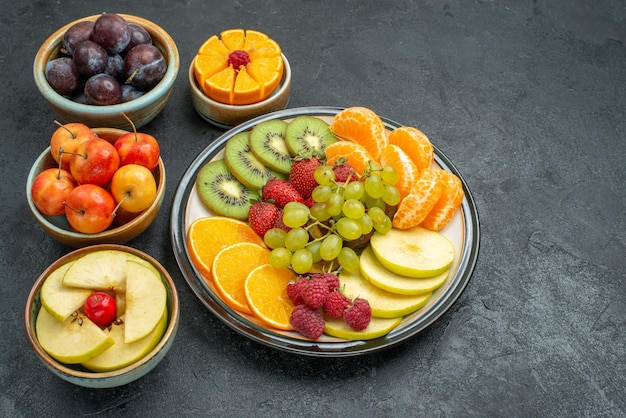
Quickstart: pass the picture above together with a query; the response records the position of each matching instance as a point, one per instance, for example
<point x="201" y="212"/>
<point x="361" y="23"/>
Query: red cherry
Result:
<point x="101" y="309"/>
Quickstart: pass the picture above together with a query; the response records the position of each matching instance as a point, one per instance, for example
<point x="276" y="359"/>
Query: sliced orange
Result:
<point x="450" y="200"/>
<point x="266" y="293"/>
<point x="354" y="154"/>
<point x="414" y="208"/>
<point x="207" y="236"/>
<point x="394" y="156"/>
<point x="246" y="84"/>
<point x="360" y="125"/>
<point x="231" y="266"/>
<point x="415" y="144"/>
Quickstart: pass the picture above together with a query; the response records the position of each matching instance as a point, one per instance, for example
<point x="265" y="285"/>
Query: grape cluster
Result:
<point x="338" y="223"/>
<point x="105" y="62"/>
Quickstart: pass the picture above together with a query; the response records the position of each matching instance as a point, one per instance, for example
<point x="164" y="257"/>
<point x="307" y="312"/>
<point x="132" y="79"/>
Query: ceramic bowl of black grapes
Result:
<point x="101" y="69"/>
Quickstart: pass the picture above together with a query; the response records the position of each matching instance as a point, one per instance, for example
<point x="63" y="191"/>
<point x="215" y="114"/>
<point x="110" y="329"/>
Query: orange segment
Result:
<point x="233" y="39"/>
<point x="415" y="144"/>
<point x="363" y="126"/>
<point x="266" y="293"/>
<point x="220" y="85"/>
<point x="207" y="236"/>
<point x="414" y="208"/>
<point x="407" y="171"/>
<point x="354" y="154"/>
<point x="247" y="88"/>
<point x="230" y="268"/>
<point x="254" y="38"/>
<point x="450" y="200"/>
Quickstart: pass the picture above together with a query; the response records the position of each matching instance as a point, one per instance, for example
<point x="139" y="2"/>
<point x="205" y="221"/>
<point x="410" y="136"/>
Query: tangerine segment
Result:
<point x="247" y="89"/>
<point x="394" y="156"/>
<point x="253" y="38"/>
<point x="233" y="39"/>
<point x="414" y="208"/>
<point x="230" y="268"/>
<point x="363" y="126"/>
<point x="354" y="154"/>
<point x="208" y="235"/>
<point x="266" y="293"/>
<point x="267" y="72"/>
<point x="450" y="200"/>
<point x="415" y="144"/>
<point x="219" y="86"/>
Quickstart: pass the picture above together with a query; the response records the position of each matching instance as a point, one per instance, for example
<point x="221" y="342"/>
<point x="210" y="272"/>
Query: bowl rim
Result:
<point x="108" y="232"/>
<point x="170" y="331"/>
<point x="53" y="42"/>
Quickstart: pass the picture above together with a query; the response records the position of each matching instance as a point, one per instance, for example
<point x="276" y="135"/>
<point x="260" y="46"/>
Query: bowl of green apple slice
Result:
<point x="102" y="316"/>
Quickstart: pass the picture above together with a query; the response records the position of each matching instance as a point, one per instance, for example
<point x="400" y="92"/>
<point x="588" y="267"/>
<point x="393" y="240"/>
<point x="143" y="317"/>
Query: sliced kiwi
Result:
<point x="242" y="163"/>
<point x="267" y="142"/>
<point x="222" y="193"/>
<point x="308" y="136"/>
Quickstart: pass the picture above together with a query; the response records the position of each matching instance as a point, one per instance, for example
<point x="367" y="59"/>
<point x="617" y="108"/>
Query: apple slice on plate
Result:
<point x="99" y="270"/>
<point x="61" y="301"/>
<point x="146" y="301"/>
<point x="377" y="327"/>
<point x="72" y="341"/>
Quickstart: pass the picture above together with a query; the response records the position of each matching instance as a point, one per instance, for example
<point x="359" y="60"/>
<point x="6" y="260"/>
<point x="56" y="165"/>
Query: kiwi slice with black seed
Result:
<point x="308" y="136"/>
<point x="243" y="164"/>
<point x="267" y="142"/>
<point x="221" y="192"/>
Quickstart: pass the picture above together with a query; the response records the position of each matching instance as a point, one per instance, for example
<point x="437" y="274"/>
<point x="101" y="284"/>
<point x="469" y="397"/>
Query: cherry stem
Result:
<point x="71" y="208"/>
<point x="64" y="127"/>
<point x="127" y="194"/>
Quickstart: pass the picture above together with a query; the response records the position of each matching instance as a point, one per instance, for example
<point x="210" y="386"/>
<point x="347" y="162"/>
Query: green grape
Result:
<point x="295" y="214"/>
<point x="354" y="190"/>
<point x="296" y="238"/>
<point x="391" y="195"/>
<point x="374" y="186"/>
<point x="389" y="174"/>
<point x="301" y="260"/>
<point x="324" y="175"/>
<point x="353" y="208"/>
<point x="314" y="249"/>
<point x="275" y="237"/>
<point x="377" y="215"/>
<point x="280" y="257"/>
<point x="334" y="204"/>
<point x="319" y="212"/>
<point x="371" y="202"/>
<point x="331" y="246"/>
<point x="366" y="224"/>
<point x="348" y="259"/>
<point x="321" y="193"/>
<point x="348" y="228"/>
<point x="384" y="226"/>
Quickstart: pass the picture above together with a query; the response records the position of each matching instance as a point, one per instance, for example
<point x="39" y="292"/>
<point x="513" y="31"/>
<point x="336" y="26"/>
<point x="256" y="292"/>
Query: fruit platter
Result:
<point x="400" y="248"/>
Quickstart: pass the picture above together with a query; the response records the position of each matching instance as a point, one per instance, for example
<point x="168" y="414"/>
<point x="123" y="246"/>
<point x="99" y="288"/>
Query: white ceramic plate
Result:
<point x="463" y="231"/>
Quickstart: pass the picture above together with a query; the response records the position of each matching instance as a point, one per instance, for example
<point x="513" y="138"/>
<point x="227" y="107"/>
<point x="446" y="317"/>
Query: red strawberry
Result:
<point x="301" y="175"/>
<point x="279" y="222"/>
<point x="358" y="315"/>
<point x="343" y="171"/>
<point x="281" y="192"/>
<point x="262" y="216"/>
<point x="315" y="292"/>
<point x="336" y="303"/>
<point x="307" y="321"/>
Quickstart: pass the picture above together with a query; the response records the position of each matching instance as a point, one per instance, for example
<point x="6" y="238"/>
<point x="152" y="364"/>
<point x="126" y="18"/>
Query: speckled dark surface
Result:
<point x="527" y="98"/>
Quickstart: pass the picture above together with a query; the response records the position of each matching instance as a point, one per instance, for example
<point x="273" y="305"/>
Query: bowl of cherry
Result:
<point x="99" y="68"/>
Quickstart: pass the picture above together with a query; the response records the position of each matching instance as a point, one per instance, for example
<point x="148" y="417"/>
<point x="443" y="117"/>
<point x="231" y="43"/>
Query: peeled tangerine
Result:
<point x="243" y="67"/>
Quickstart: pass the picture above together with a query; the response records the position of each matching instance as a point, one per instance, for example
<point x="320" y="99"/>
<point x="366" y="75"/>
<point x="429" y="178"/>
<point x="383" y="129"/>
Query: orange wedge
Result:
<point x="415" y="144"/>
<point x="363" y="126"/>
<point x="208" y="235"/>
<point x="354" y="154"/>
<point x="246" y="82"/>
<point x="266" y="293"/>
<point x="414" y="208"/>
<point x="450" y="200"/>
<point x="394" y="156"/>
<point x="230" y="268"/>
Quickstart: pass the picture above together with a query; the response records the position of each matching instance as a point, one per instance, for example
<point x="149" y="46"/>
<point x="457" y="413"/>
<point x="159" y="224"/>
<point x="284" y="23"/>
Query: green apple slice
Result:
<point x="381" y="277"/>
<point x="99" y="270"/>
<point x="122" y="354"/>
<point x="72" y="341"/>
<point x="416" y="252"/>
<point x="384" y="304"/>
<point x="146" y="300"/>
<point x="59" y="300"/>
<point x="377" y="327"/>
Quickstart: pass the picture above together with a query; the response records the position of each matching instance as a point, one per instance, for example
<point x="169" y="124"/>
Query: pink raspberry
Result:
<point x="307" y="321"/>
<point x="358" y="315"/>
<point x="332" y="280"/>
<point x="336" y="303"/>
<point x="315" y="292"/>
<point x="294" y="290"/>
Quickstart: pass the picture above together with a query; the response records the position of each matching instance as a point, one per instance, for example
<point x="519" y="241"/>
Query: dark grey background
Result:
<point x="527" y="98"/>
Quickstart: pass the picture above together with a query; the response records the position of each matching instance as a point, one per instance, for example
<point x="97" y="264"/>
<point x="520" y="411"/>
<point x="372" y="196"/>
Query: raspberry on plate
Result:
<point x="358" y="315"/>
<point x="307" y="321"/>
